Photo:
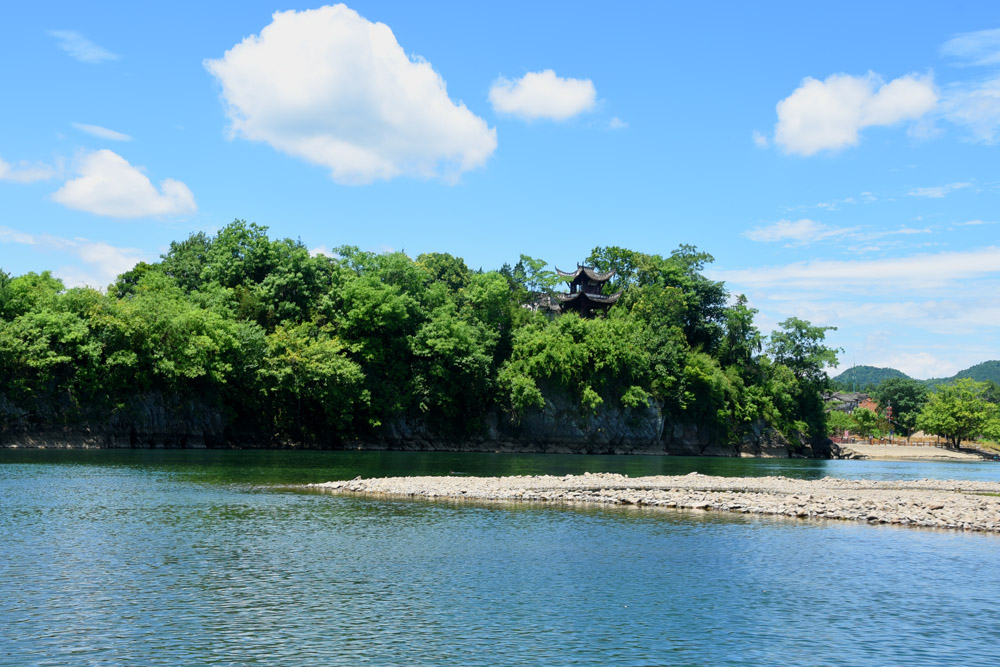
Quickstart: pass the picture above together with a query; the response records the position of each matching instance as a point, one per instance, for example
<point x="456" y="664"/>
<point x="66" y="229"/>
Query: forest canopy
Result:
<point x="317" y="348"/>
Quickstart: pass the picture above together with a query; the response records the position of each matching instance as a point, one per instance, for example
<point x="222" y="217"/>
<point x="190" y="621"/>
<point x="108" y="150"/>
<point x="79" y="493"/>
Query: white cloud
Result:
<point x="795" y="232"/>
<point x="321" y="250"/>
<point x="543" y="95"/>
<point x="337" y="90"/>
<point x="8" y="235"/>
<point x="102" y="262"/>
<point x="109" y="185"/>
<point x="80" y="48"/>
<point x="25" y="173"/>
<point x="915" y="273"/>
<point x="976" y="48"/>
<point x="101" y="132"/>
<point x="975" y="106"/>
<point x="827" y="115"/>
<point x="617" y="123"/>
<point x="805" y="231"/>
<point x="923" y="365"/>
<point x="759" y="140"/>
<point x="937" y="192"/>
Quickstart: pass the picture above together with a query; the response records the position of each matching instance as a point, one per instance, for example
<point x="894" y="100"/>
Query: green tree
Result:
<point x="907" y="398"/>
<point x="445" y="268"/>
<point x="958" y="411"/>
<point x="314" y="389"/>
<point x="799" y="346"/>
<point x="866" y="422"/>
<point x="453" y="372"/>
<point x="742" y="341"/>
<point x="837" y="422"/>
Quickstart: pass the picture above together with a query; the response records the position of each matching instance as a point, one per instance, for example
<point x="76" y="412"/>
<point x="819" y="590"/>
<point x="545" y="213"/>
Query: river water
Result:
<point x="193" y="557"/>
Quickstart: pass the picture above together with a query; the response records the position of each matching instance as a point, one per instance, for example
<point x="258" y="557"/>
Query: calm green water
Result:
<point x="181" y="557"/>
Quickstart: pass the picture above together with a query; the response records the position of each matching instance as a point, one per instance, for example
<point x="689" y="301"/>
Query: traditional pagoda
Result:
<point x="586" y="291"/>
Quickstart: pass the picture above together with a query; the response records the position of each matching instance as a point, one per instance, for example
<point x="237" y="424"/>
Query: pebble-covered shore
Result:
<point x="962" y="505"/>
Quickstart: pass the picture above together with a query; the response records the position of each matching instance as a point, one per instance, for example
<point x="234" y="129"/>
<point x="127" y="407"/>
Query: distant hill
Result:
<point x="865" y="378"/>
<point x="988" y="371"/>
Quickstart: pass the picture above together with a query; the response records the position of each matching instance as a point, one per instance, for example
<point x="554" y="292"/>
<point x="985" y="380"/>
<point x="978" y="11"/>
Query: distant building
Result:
<point x="844" y="401"/>
<point x="586" y="291"/>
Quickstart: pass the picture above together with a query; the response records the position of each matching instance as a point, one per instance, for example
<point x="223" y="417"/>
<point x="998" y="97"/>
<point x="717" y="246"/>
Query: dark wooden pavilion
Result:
<point x="586" y="291"/>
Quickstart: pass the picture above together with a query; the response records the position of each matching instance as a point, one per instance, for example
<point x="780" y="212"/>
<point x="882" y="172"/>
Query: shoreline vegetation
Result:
<point x="241" y="340"/>
<point x="959" y="505"/>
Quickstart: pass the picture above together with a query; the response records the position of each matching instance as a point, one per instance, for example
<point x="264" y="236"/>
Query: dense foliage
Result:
<point x="313" y="348"/>
<point x="962" y="410"/>
<point x="958" y="411"/>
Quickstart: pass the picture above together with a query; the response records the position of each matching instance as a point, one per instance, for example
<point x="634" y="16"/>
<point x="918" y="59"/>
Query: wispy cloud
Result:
<point x="974" y="105"/>
<point x="759" y="139"/>
<point x="806" y="232"/>
<point x="617" y="123"/>
<point x="974" y="48"/>
<point x="901" y="274"/>
<point x="26" y="173"/>
<point x="80" y="48"/>
<point x="102" y="262"/>
<point x="101" y="132"/>
<point x="795" y="232"/>
<point x="939" y="191"/>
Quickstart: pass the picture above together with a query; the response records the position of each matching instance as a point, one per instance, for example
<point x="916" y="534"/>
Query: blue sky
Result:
<point x="838" y="161"/>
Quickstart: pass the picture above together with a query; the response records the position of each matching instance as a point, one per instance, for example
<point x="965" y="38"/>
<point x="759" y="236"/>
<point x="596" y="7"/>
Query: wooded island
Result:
<point x="255" y="340"/>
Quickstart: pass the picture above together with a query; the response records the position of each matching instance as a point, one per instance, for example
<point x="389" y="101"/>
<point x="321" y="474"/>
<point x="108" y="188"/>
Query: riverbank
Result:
<point x="962" y="505"/>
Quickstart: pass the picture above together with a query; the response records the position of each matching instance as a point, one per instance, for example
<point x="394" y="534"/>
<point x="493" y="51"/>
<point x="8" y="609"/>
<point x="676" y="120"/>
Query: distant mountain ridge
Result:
<point x="862" y="377"/>
<point x="867" y="377"/>
<point x="988" y="371"/>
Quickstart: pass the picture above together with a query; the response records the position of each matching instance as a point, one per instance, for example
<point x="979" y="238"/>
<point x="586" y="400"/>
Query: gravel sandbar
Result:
<point x="962" y="505"/>
<point x="910" y="453"/>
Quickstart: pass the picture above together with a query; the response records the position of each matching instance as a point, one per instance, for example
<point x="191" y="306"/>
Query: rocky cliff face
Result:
<point x="561" y="427"/>
<point x="147" y="421"/>
<point x="156" y="421"/>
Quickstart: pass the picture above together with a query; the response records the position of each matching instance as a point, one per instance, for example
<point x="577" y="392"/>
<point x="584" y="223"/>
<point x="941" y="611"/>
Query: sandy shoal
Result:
<point x="910" y="453"/>
<point x="964" y="505"/>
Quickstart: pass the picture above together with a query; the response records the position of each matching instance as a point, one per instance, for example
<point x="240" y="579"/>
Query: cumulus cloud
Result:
<point x="938" y="191"/>
<point x="337" y="90"/>
<point x="827" y="115"/>
<point x="543" y="95"/>
<point x="102" y="262"/>
<point x="80" y="48"/>
<point x="108" y="185"/>
<point x="101" y="132"/>
<point x="25" y="173"/>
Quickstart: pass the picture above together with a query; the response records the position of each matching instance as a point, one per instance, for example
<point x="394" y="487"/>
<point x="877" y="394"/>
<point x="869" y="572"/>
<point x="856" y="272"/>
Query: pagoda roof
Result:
<point x="594" y="298"/>
<point x="589" y="272"/>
